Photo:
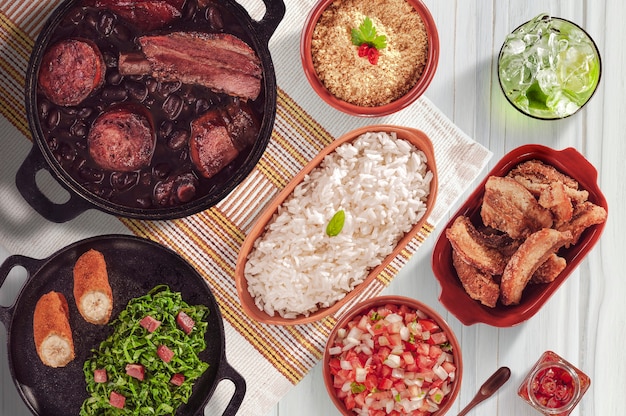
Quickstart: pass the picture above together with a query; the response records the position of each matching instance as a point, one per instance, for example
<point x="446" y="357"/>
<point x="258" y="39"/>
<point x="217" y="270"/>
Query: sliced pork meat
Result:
<point x="185" y="322"/>
<point x="71" y="70"/>
<point x="117" y="400"/>
<point x="219" y="61"/>
<point x="122" y="139"/>
<point x="146" y="15"/>
<point x="219" y="135"/>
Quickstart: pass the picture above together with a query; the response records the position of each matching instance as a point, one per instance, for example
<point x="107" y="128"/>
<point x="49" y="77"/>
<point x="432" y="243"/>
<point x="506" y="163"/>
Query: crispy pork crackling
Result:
<point x="461" y="236"/>
<point x="51" y="330"/>
<point x="92" y="291"/>
<point x="533" y="252"/>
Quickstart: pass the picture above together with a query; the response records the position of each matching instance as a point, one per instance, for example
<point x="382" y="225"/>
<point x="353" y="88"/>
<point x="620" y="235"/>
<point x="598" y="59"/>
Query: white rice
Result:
<point x="381" y="182"/>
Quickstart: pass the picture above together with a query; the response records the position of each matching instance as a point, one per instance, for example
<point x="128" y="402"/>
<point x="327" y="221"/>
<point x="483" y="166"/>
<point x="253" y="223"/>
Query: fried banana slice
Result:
<point x="509" y="207"/>
<point x="92" y="291"/>
<point x="585" y="215"/>
<point x="468" y="248"/>
<point x="478" y="285"/>
<point x="535" y="176"/>
<point x="549" y="270"/>
<point x="531" y="254"/>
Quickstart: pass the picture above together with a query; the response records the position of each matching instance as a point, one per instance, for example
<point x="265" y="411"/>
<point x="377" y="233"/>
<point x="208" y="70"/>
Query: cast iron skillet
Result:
<point x="135" y="266"/>
<point x="40" y="156"/>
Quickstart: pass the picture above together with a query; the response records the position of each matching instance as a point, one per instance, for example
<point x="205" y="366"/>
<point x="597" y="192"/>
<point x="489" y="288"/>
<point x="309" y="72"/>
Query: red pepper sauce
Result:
<point x="554" y="386"/>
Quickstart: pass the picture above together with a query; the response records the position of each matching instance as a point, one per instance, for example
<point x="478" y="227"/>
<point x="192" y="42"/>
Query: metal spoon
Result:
<point x="490" y="386"/>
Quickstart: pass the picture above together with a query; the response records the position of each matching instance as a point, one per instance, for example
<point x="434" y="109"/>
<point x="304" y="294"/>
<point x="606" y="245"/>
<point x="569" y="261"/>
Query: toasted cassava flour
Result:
<point x="355" y="80"/>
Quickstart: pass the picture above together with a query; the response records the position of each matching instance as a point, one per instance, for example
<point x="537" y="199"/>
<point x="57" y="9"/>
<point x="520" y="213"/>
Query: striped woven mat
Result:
<point x="272" y="359"/>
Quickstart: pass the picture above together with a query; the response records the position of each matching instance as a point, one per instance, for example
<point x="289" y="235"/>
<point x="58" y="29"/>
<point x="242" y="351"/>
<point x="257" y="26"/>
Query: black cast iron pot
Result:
<point x="83" y="197"/>
<point x="134" y="266"/>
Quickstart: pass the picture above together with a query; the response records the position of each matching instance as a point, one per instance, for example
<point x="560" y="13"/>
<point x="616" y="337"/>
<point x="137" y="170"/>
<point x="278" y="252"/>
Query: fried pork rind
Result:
<point x="471" y="250"/>
<point x="536" y="176"/>
<point x="554" y="198"/>
<point x="533" y="200"/>
<point x="509" y="207"/>
<point x="533" y="252"/>
<point x="478" y="285"/>
<point x="585" y="215"/>
<point x="549" y="270"/>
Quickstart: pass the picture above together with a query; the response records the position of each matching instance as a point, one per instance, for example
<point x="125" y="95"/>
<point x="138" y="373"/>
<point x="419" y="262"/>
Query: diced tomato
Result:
<point x="371" y="382"/>
<point x="384" y="379"/>
<point x="385" y="384"/>
<point x="434" y="352"/>
<point x="438" y="338"/>
<point x="449" y="367"/>
<point x="428" y="325"/>
<point x="408" y="358"/>
<point x="395" y="339"/>
<point x="349" y="402"/>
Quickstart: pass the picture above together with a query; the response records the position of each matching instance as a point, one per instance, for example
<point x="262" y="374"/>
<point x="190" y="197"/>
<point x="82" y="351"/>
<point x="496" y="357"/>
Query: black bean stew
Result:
<point x="168" y="177"/>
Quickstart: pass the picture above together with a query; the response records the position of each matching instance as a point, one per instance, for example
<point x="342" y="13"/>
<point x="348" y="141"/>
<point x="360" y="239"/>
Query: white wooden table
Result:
<point x="585" y="321"/>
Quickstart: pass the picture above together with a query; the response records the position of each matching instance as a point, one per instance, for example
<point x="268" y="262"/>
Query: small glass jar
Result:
<point x="554" y="386"/>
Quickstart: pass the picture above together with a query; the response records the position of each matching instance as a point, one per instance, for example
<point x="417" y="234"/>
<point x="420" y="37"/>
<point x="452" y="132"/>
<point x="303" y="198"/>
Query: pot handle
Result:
<point x="25" y="179"/>
<point x="274" y="13"/>
<point x="31" y="265"/>
<point x="229" y="373"/>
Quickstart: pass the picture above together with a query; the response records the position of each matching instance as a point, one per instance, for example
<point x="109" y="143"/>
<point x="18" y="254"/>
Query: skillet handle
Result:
<point x="274" y="13"/>
<point x="31" y="265"/>
<point x="229" y="373"/>
<point x="25" y="179"/>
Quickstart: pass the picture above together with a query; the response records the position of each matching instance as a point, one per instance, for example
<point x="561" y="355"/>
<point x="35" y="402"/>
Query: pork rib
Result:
<point x="221" y="62"/>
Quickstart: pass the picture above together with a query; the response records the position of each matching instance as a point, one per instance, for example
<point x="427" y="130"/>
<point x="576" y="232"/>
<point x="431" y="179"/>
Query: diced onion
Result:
<point x="392" y="361"/>
<point x="360" y="374"/>
<point x="440" y="372"/>
<point x="334" y="350"/>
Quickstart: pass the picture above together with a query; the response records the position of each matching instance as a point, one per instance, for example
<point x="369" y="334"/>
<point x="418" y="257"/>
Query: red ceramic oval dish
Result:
<point x="418" y="139"/>
<point x="402" y="102"/>
<point x="364" y="307"/>
<point x="453" y="296"/>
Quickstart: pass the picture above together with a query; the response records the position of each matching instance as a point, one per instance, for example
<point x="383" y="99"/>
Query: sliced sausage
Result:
<point x="51" y="330"/>
<point x="71" y="70"/>
<point x="122" y="139"/>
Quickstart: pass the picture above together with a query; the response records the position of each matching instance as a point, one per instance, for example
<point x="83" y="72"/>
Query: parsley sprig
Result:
<point x="366" y="33"/>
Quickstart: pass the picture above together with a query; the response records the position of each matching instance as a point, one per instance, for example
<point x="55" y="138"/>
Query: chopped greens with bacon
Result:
<point x="155" y="391"/>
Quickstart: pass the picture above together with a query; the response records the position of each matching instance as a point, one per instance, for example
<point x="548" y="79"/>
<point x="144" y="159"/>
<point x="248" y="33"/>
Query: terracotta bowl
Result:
<point x="453" y="296"/>
<point x="417" y="138"/>
<point x="398" y="301"/>
<point x="413" y="94"/>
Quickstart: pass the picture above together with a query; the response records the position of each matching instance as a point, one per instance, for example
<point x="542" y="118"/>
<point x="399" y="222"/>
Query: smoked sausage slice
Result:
<point x="71" y="70"/>
<point x="122" y="139"/>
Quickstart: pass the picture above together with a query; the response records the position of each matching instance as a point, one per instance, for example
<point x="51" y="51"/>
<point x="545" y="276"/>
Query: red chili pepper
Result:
<point x="363" y="50"/>
<point x="372" y="56"/>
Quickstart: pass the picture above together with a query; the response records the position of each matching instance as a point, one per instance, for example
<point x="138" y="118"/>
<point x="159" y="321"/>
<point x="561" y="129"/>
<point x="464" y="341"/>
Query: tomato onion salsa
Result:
<point x="392" y="360"/>
<point x="150" y="362"/>
<point x="170" y="178"/>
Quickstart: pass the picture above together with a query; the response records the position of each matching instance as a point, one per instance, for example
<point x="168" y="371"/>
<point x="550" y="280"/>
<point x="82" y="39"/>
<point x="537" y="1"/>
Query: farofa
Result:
<point x="353" y="79"/>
